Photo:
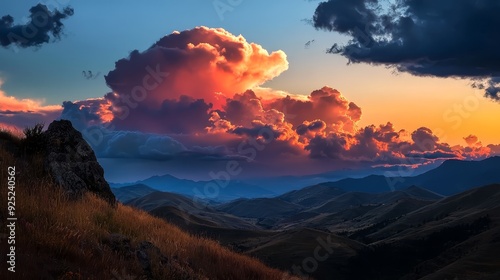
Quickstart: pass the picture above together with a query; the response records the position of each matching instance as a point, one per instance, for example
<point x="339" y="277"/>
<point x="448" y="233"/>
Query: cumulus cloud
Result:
<point x="474" y="149"/>
<point x="387" y="146"/>
<point x="86" y="112"/>
<point x="425" y="38"/>
<point x="243" y="108"/>
<point x="426" y="141"/>
<point x="471" y="140"/>
<point x="333" y="146"/>
<point x="326" y="104"/>
<point x="203" y="63"/>
<point x="43" y="26"/>
<point x="494" y="149"/>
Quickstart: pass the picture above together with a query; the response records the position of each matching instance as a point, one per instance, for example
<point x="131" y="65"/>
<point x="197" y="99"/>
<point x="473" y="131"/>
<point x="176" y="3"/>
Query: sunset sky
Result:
<point x="201" y="110"/>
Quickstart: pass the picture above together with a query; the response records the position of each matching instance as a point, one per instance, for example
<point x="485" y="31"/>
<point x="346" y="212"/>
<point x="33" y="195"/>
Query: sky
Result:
<point x="414" y="87"/>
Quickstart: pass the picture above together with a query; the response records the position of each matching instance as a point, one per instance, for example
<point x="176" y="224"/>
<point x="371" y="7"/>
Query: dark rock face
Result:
<point x="72" y="163"/>
<point x="146" y="253"/>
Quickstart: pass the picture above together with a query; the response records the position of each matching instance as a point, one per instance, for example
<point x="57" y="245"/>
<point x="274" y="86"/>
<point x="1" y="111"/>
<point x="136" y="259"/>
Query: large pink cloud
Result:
<point x="203" y="63"/>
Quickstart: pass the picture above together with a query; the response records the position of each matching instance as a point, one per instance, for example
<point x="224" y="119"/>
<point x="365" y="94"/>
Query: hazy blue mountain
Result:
<point x="284" y="184"/>
<point x="203" y="190"/>
<point x="451" y="177"/>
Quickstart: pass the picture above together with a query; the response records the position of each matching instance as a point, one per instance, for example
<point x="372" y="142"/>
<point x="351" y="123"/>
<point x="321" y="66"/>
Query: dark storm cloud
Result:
<point x="492" y="89"/>
<point x="426" y="38"/>
<point x="345" y="16"/>
<point x="37" y="31"/>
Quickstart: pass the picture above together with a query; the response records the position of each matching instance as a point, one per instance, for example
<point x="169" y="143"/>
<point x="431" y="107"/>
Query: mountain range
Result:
<point x="451" y="177"/>
<point x="213" y="190"/>
<point x="436" y="225"/>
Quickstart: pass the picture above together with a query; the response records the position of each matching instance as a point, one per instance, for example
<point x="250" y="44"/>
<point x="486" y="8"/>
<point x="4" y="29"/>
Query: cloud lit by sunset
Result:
<point x="16" y="114"/>
<point x="198" y="63"/>
<point x="199" y="91"/>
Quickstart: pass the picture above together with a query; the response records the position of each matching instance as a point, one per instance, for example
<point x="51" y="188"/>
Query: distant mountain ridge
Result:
<point x="451" y="177"/>
<point x="203" y="190"/>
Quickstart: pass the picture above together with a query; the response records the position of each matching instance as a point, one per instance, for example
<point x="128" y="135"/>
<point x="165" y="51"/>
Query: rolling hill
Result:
<point x="289" y="250"/>
<point x="458" y="236"/>
<point x="160" y="203"/>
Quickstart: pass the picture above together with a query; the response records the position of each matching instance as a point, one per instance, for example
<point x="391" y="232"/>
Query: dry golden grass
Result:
<point x="62" y="239"/>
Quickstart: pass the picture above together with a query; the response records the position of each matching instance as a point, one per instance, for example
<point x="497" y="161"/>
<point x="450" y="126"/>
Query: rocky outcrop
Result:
<point x="72" y="163"/>
<point x="145" y="252"/>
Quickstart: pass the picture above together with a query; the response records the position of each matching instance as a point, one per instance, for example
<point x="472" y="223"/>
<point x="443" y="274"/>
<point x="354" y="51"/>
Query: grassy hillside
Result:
<point x="88" y="239"/>
<point x="295" y="247"/>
